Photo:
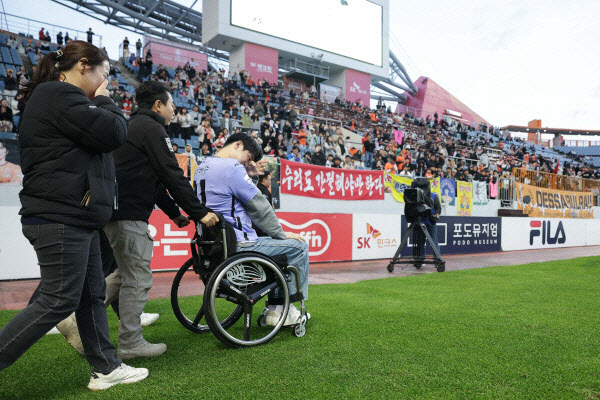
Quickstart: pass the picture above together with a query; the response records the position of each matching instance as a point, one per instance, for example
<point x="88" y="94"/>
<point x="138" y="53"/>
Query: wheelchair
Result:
<point x="235" y="285"/>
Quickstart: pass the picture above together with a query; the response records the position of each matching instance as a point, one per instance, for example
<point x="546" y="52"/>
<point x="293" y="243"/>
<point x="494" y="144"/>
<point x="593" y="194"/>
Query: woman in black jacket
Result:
<point x="70" y="127"/>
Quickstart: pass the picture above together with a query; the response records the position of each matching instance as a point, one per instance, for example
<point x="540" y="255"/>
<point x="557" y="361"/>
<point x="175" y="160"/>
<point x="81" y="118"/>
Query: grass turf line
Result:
<point x="516" y="332"/>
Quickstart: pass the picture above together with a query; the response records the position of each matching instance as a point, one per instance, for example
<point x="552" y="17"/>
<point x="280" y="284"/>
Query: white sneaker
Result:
<point x="293" y="317"/>
<point x="148" y="318"/>
<point x="122" y="374"/>
<point x="53" y="331"/>
<point x="68" y="328"/>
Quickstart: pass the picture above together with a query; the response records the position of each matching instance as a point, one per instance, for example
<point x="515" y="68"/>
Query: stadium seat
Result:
<point x="8" y="135"/>
<point x="179" y="142"/>
<point x="16" y="57"/>
<point x="194" y="142"/>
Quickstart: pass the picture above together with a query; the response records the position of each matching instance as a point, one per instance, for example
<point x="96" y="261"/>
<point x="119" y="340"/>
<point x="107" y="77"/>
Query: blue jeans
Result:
<point x="432" y="229"/>
<point x="368" y="159"/>
<point x="71" y="280"/>
<point x="296" y="252"/>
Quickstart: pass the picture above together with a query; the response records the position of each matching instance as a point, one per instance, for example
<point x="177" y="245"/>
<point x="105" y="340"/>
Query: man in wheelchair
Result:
<point x="224" y="186"/>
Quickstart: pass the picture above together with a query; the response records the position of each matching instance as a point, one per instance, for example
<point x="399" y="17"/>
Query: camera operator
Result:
<point x="430" y="222"/>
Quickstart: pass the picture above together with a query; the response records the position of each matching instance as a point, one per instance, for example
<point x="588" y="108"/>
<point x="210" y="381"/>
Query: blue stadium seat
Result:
<point x="2" y="72"/>
<point x="179" y="142"/>
<point x="16" y="57"/>
<point x="8" y="135"/>
<point x="195" y="143"/>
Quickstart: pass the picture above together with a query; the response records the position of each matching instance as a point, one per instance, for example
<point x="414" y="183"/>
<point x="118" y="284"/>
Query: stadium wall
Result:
<point x="336" y="231"/>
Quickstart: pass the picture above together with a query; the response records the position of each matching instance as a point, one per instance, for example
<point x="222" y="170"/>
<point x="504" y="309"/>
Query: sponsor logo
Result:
<point x="388" y="178"/>
<point x="377" y="242"/>
<point x="544" y="230"/>
<point x="169" y="145"/>
<point x="315" y="232"/>
<point x="372" y="231"/>
<point x="355" y="88"/>
<point x="401" y="187"/>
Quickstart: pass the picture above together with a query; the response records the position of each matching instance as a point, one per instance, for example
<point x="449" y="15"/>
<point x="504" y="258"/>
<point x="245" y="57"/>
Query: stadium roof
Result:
<point x="560" y="131"/>
<point x="432" y="98"/>
<point x="165" y="19"/>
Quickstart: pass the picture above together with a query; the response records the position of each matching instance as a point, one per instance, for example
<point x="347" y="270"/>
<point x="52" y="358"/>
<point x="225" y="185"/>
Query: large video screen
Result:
<point x="351" y="28"/>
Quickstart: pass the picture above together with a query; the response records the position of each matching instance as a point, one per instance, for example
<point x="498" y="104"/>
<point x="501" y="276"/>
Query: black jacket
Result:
<point x="142" y="163"/>
<point x="66" y="140"/>
<point x="318" y="158"/>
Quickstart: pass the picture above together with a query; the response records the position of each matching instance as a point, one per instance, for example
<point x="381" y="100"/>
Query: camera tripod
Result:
<point x="417" y="258"/>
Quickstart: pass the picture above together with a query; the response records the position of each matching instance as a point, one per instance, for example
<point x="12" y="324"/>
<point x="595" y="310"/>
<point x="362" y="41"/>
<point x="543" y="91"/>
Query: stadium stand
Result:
<point x="340" y="128"/>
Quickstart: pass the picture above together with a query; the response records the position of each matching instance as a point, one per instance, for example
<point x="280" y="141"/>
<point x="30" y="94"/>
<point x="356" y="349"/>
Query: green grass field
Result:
<point x="518" y="332"/>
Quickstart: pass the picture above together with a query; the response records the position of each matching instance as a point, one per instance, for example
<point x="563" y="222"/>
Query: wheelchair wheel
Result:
<point x="244" y="280"/>
<point x="186" y="302"/>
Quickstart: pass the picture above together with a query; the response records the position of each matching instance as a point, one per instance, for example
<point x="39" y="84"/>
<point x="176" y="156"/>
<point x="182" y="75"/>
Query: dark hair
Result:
<point x="3" y="144"/>
<point x="150" y="91"/>
<point x="248" y="142"/>
<point x="52" y="65"/>
<point x="263" y="176"/>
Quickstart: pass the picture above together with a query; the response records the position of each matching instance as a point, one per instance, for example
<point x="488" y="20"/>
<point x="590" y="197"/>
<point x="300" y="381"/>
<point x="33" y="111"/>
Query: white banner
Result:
<point x="17" y="257"/>
<point x="592" y="234"/>
<point x="329" y="93"/>
<point x="480" y="193"/>
<point x="375" y="236"/>
<point x="540" y="233"/>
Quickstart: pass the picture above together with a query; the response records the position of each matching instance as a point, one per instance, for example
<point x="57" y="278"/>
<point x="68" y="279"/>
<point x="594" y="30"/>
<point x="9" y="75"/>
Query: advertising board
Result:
<point x="375" y="236"/>
<point x="329" y="236"/>
<point x="539" y="233"/>
<point x="464" y="235"/>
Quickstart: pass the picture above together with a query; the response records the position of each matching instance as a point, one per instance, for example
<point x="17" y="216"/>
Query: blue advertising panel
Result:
<point x="463" y="235"/>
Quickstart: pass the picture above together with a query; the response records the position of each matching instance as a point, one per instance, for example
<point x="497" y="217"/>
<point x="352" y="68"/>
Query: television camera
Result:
<point x="418" y="205"/>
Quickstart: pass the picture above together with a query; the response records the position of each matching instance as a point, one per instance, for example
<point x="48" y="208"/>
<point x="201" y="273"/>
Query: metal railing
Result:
<point x="468" y="161"/>
<point x="307" y="68"/>
<point x="554" y="181"/>
<point x="329" y="121"/>
<point x="20" y="25"/>
<point x="506" y="192"/>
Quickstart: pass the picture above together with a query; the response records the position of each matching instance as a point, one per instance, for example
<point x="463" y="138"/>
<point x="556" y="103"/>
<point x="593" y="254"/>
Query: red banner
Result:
<point x="329" y="236"/>
<point x="330" y="183"/>
<point x="171" y="244"/>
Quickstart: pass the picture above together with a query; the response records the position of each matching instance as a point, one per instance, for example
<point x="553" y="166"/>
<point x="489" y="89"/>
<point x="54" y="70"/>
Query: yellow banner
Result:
<point x="436" y="187"/>
<point x="397" y="184"/>
<point x="540" y="202"/>
<point x="464" y="194"/>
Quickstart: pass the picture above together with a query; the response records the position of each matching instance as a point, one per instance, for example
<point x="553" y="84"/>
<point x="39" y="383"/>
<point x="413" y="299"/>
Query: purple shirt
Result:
<point x="227" y="187"/>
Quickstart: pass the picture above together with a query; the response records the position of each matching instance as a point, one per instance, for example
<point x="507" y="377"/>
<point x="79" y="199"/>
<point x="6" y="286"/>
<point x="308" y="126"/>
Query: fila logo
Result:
<point x="559" y="236"/>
